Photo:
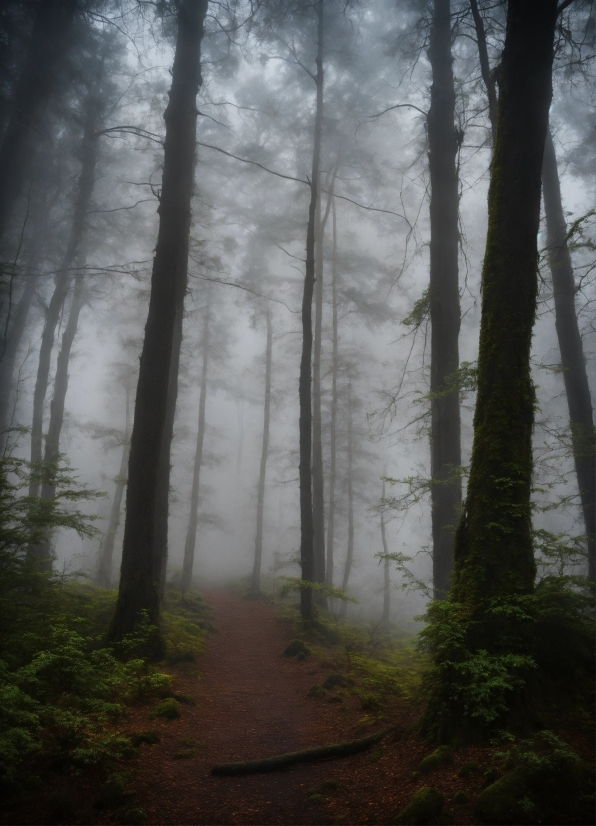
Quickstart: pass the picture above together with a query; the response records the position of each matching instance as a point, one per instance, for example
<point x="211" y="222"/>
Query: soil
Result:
<point x="252" y="702"/>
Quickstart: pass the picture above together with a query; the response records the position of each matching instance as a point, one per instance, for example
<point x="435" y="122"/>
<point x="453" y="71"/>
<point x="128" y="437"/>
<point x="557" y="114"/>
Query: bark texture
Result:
<point x="493" y="550"/>
<point x="333" y="426"/>
<point x="255" y="584"/>
<point x="191" y="534"/>
<point x="139" y="583"/>
<point x="443" y="143"/>
<point x="103" y="576"/>
<point x="573" y="360"/>
<point x="305" y="382"/>
<point x="47" y="46"/>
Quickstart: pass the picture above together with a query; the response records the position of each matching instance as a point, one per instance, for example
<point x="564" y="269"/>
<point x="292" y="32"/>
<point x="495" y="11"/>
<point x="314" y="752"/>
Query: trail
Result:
<point x="251" y="702"/>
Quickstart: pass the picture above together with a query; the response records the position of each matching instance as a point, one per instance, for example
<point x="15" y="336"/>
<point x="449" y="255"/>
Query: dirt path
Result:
<point x="251" y="703"/>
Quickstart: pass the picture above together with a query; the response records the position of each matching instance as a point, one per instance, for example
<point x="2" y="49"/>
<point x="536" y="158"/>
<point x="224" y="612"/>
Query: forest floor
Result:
<point x="252" y="702"/>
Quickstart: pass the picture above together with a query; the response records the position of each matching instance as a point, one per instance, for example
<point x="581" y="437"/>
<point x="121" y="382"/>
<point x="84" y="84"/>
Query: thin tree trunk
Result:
<point x="350" y="554"/>
<point x="570" y="344"/>
<point x="42" y="551"/>
<point x="48" y="43"/>
<point x="106" y="553"/>
<point x="162" y="506"/>
<point x="488" y="79"/>
<point x="304" y="390"/>
<point x="255" y="587"/>
<point x="139" y="585"/>
<point x="318" y="485"/>
<point x="386" y="577"/>
<point x="63" y="281"/>
<point x="191" y="534"/>
<point x="13" y="341"/>
<point x="444" y="300"/>
<point x="493" y="549"/>
<point x="333" y="429"/>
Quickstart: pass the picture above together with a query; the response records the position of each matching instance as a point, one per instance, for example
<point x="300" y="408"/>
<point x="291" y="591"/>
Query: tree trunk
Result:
<point x="12" y="340"/>
<point x="570" y="345"/>
<point x="191" y="535"/>
<point x="444" y="300"/>
<point x="49" y="40"/>
<point x="333" y="429"/>
<point x="386" y="577"/>
<point x="104" y="567"/>
<point x="42" y="551"/>
<point x="318" y="486"/>
<point x="63" y="280"/>
<point x="488" y="79"/>
<point x="493" y="549"/>
<point x="139" y="586"/>
<point x="255" y="587"/>
<point x="162" y="506"/>
<point x="304" y="390"/>
<point x="350" y="554"/>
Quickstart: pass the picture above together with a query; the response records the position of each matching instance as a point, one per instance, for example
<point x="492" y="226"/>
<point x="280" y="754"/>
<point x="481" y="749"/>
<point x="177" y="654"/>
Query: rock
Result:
<point x="423" y="810"/>
<point x="440" y="757"/>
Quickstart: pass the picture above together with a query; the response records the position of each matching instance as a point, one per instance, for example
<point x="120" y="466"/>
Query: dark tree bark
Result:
<point x="570" y="344"/>
<point x="487" y="77"/>
<point x="191" y="534"/>
<point x="12" y="341"/>
<point x="63" y="281"/>
<point x="103" y="576"/>
<point x="318" y="485"/>
<point x="350" y="553"/>
<point x="305" y="388"/>
<point x="162" y="506"/>
<point x="255" y="585"/>
<point x="333" y="429"/>
<point x="47" y="46"/>
<point x="139" y="583"/>
<point x="444" y="300"/>
<point x="493" y="549"/>
<point x="386" y="572"/>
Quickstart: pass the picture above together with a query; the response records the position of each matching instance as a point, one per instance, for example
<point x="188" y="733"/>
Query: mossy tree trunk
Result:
<point x="305" y="383"/>
<point x="139" y="577"/>
<point x="573" y="359"/>
<point x="443" y="143"/>
<point x="493" y="548"/>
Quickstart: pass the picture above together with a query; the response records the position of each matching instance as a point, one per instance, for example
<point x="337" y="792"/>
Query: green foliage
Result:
<point x="419" y="312"/>
<point x="442" y="756"/>
<point x="296" y="648"/>
<point x="545" y="777"/>
<point x="424" y="808"/>
<point x="169" y="709"/>
<point x="186" y="623"/>
<point x="460" y="798"/>
<point x="492" y="662"/>
<point x="321" y="588"/>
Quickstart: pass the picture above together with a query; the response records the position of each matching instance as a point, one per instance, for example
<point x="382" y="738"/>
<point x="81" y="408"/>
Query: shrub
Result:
<point x="169" y="709"/>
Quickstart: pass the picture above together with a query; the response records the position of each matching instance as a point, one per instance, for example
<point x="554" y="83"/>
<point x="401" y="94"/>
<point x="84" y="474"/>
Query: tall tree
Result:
<point x="573" y="359"/>
<point x="386" y="573"/>
<point x="191" y="534"/>
<point x="255" y="584"/>
<point x="47" y="45"/>
<point x="350" y="481"/>
<point x="443" y="140"/>
<point x="305" y="383"/>
<point x="139" y="585"/>
<point x="333" y="424"/>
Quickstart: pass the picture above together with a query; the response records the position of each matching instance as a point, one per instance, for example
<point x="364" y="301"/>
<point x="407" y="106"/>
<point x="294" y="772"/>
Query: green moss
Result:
<point x="169" y="709"/>
<point x="187" y="754"/>
<point x="469" y="768"/>
<point x="461" y="797"/>
<point x="440" y="757"/>
<point x="370" y="701"/>
<point x="424" y="808"/>
<point x="316" y="691"/>
<point x="296" y="648"/>
<point x="504" y="801"/>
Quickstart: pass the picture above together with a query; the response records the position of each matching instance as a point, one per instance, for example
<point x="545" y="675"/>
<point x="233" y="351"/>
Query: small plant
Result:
<point x="316" y="691"/>
<point x="336" y="681"/>
<point x="168" y="709"/>
<point x="114" y="793"/>
<point x="298" y="649"/>
<point x="186" y="754"/>
<point x="139" y="737"/>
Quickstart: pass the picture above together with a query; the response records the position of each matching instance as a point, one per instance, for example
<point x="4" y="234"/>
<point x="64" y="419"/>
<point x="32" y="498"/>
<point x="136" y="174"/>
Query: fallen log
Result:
<point x="269" y="764"/>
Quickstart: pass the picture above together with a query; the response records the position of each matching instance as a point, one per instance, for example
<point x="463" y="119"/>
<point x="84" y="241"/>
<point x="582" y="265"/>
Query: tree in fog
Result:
<point x="140" y="572"/>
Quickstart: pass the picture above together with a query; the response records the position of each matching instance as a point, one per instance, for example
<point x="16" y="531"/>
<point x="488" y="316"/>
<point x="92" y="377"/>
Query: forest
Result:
<point x="297" y="443"/>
